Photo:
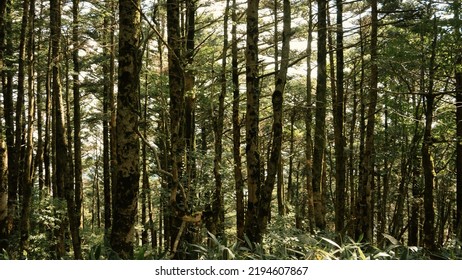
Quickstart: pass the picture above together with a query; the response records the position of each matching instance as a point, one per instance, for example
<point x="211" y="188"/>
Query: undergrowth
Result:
<point x="280" y="243"/>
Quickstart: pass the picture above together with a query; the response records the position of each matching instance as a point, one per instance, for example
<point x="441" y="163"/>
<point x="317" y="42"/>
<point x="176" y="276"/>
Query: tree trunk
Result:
<point x="177" y="117"/>
<point x="25" y="210"/>
<point x="367" y="178"/>
<point x="252" y="123"/>
<point x="144" y="160"/>
<point x="338" y="104"/>
<point x="77" y="115"/>
<point x="277" y="102"/>
<point x="308" y="124"/>
<point x="13" y="164"/>
<point x="28" y="178"/>
<point x="109" y="123"/>
<point x="415" y="164"/>
<point x="217" y="201"/>
<point x="126" y="189"/>
<point x="458" y="77"/>
<point x="3" y="146"/>
<point x="3" y="194"/>
<point x="238" y="179"/>
<point x="320" y="115"/>
<point x="427" y="159"/>
<point x="107" y="86"/>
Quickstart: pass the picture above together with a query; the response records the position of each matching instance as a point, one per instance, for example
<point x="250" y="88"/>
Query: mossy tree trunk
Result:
<point x="177" y="201"/>
<point x="252" y="123"/>
<point x="125" y="191"/>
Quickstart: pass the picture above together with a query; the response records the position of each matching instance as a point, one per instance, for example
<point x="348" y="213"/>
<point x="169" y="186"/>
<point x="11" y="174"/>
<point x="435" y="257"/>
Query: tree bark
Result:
<point x="217" y="201"/>
<point x="274" y="159"/>
<point x="28" y="178"/>
<point x="77" y="115"/>
<point x="367" y="178"/>
<point x="427" y="159"/>
<point x="24" y="217"/>
<point x="308" y="125"/>
<point x="338" y="104"/>
<point x="320" y="116"/>
<point x="177" y="200"/>
<point x="238" y="179"/>
<point x="3" y="195"/>
<point x="3" y="147"/>
<point x="458" y="77"/>
<point x="252" y="123"/>
<point x="107" y="86"/>
<point x="126" y="189"/>
<point x="7" y="80"/>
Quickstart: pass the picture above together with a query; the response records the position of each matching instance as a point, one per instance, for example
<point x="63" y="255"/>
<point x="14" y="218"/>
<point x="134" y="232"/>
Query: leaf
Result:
<point x="214" y="238"/>
<point x="382" y="255"/>
<point x="247" y="240"/>
<point x="390" y="238"/>
<point x="405" y="254"/>
<point x="331" y="242"/>
<point x="361" y="254"/>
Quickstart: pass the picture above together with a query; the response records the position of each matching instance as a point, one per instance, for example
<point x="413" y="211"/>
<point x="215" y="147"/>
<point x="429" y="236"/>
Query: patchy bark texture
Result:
<point x="252" y="123"/>
<point x="125" y="191"/>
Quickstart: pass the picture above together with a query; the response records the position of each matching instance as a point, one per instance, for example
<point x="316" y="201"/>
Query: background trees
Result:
<point x="356" y="124"/>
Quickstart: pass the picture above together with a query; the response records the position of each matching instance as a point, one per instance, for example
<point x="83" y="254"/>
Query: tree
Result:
<point x="28" y="178"/>
<point x="238" y="179"/>
<point x="428" y="166"/>
<point x="77" y="115"/>
<point x="367" y="179"/>
<point x="3" y="195"/>
<point x="308" y="123"/>
<point x="338" y="109"/>
<point x="177" y="201"/>
<point x="320" y="116"/>
<point x="125" y="191"/>
<point x="458" y="78"/>
<point x="64" y="184"/>
<point x="217" y="201"/>
<point x="274" y="159"/>
<point x="252" y="123"/>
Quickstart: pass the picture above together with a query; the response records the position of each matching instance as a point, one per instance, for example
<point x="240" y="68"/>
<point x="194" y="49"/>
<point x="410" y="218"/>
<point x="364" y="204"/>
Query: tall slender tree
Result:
<point x="64" y="184"/>
<point x="77" y="115"/>
<point x="217" y="204"/>
<point x="176" y="108"/>
<point x="28" y="178"/>
<point x="428" y="165"/>
<point x="338" y="105"/>
<point x="320" y="116"/>
<point x="308" y="123"/>
<point x="458" y="78"/>
<point x="367" y="179"/>
<point x="252" y="123"/>
<point x="274" y="159"/>
<point x="238" y="178"/>
<point x="125" y="191"/>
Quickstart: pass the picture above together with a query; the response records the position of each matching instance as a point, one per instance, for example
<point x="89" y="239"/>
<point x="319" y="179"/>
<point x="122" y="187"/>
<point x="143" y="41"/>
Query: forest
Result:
<point x="230" y="129"/>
